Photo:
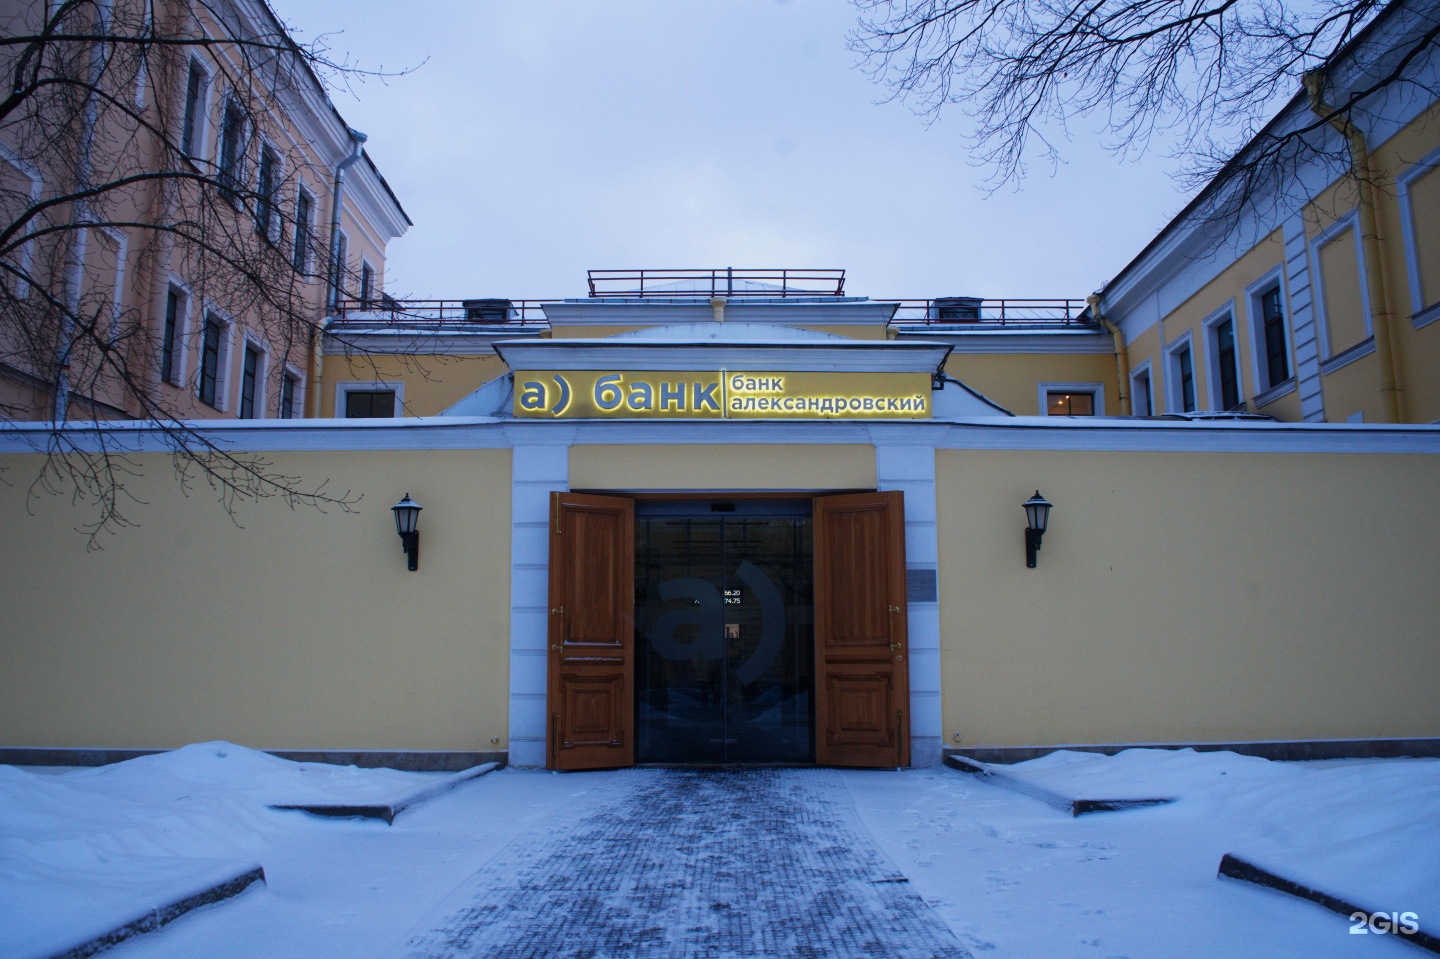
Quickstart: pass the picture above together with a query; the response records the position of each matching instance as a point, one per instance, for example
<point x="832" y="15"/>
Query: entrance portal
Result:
<point x="724" y="632"/>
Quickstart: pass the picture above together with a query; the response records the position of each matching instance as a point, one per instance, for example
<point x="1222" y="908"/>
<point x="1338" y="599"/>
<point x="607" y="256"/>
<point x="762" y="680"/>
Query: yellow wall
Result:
<point x="299" y="631"/>
<point x="1184" y="597"/>
<point x="1013" y="379"/>
<point x="433" y="383"/>
<point x="727" y="467"/>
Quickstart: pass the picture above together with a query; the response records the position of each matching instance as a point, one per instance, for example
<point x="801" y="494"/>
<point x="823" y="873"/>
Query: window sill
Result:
<point x="1345" y="357"/>
<point x="1426" y="316"/>
<point x="1275" y="392"/>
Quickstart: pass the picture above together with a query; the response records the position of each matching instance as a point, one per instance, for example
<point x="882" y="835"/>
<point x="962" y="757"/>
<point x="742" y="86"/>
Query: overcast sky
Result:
<point x="541" y="138"/>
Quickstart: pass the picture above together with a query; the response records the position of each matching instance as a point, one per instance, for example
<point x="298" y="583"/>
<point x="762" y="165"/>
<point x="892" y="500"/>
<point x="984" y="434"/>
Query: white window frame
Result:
<point x="1095" y="389"/>
<point x="1350" y="221"/>
<point x="122" y="243"/>
<point x="307" y="267"/>
<point x="275" y="232"/>
<point x="202" y="110"/>
<point x="223" y="378"/>
<point x="241" y="180"/>
<point x="181" y="347"/>
<point x="1174" y="398"/>
<point x="298" y="399"/>
<point x="366" y="298"/>
<point x="249" y="339"/>
<point x="1211" y="326"/>
<point x="37" y="185"/>
<point x="371" y="386"/>
<point x="1135" y="374"/>
<point x="1421" y="313"/>
<point x="1259" y="352"/>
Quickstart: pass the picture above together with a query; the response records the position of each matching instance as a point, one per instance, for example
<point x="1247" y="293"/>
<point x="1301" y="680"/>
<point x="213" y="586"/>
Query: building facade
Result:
<point x="182" y="205"/>
<point x="749" y="516"/>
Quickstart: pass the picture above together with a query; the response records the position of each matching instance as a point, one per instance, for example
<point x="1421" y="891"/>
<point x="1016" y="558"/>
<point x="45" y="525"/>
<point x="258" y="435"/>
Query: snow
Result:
<point x="1010" y="875"/>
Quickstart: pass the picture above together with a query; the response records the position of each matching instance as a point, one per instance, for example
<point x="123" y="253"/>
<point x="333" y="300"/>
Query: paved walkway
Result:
<point x="694" y="863"/>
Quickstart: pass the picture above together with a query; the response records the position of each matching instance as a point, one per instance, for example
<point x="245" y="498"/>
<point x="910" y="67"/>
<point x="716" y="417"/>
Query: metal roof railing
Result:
<point x="436" y="314"/>
<point x="724" y="281"/>
<point x="966" y="312"/>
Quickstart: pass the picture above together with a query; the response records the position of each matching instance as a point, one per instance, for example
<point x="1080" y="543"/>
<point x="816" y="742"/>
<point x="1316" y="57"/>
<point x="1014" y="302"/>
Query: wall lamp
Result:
<point x="407" y="517"/>
<point x="1037" y="517"/>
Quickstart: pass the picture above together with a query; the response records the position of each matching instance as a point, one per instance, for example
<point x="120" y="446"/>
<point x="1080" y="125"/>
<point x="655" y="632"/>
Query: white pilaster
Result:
<point x="537" y="470"/>
<point x="910" y="468"/>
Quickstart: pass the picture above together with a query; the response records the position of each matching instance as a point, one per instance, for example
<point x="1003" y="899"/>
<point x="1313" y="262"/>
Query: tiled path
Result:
<point x="694" y="863"/>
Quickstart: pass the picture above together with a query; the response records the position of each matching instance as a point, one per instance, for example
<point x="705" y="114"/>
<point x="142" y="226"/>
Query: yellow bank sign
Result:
<point x="636" y="394"/>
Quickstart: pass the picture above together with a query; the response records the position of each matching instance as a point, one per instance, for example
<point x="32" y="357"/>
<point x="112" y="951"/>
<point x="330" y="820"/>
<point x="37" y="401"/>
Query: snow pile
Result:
<point x="1365" y="831"/>
<point x="85" y="851"/>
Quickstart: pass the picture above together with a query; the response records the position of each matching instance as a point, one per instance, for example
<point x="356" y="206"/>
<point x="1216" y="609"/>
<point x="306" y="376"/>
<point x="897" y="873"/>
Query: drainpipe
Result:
<point x="357" y="139"/>
<point x="717" y="303"/>
<point x="333" y="268"/>
<point x="1122" y="359"/>
<point x="1391" y="391"/>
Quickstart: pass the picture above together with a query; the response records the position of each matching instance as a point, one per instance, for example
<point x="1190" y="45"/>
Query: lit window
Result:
<point x="1069" y="404"/>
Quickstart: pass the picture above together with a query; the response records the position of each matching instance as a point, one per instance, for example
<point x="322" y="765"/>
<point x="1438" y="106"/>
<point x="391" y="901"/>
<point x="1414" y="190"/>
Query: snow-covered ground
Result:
<point x="1009" y="874"/>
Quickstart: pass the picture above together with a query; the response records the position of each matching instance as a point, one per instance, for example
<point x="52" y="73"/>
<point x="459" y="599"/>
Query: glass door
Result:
<point x="723" y="627"/>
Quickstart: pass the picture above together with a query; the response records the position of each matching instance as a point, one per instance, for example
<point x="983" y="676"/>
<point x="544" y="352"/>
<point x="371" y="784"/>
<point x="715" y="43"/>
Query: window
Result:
<point x="232" y="148"/>
<point x="1272" y="322"/>
<point x="368" y="404"/>
<point x="265" y="194"/>
<point x="1180" y="376"/>
<point x="1419" y="197"/>
<point x="1069" y="404"/>
<point x="170" y="340"/>
<point x="248" y="382"/>
<point x="212" y="348"/>
<point x="19" y="183"/>
<point x="303" y="236"/>
<point x="367" y="281"/>
<point x="1223" y="361"/>
<point x="194" y="111"/>
<point x="287" y="396"/>
<point x="1141" y="403"/>
<point x="1072" y="399"/>
<point x="342" y="255"/>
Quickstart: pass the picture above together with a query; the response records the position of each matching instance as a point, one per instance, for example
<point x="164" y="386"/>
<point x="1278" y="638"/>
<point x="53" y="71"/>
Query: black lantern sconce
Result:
<point x="1037" y="517"/>
<point x="407" y="517"/>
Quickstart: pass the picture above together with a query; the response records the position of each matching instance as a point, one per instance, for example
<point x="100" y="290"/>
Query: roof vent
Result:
<point x="955" y="309"/>
<point x="489" y="311"/>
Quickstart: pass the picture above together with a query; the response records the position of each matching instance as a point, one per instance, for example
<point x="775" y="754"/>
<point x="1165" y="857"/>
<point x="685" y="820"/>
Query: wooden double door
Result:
<point x="861" y="688"/>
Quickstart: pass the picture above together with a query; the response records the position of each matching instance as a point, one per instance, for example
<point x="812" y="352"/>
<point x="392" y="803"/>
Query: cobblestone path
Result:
<point x="694" y="863"/>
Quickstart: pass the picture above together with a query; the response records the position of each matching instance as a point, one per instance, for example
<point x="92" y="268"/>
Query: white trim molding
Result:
<point x="1143" y="369"/>
<point x="1418" y="307"/>
<point x="1174" y="400"/>
<point x="1350" y="221"/>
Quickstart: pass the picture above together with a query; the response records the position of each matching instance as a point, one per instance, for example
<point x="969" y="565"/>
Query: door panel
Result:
<point x="590" y="657"/>
<point x="862" y="687"/>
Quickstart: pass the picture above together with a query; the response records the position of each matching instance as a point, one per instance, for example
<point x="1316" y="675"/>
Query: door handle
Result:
<point x="896" y="645"/>
<point x="894" y="609"/>
<point x="558" y="611"/>
<point x="557" y="647"/>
